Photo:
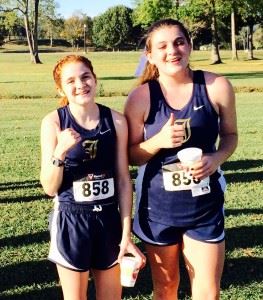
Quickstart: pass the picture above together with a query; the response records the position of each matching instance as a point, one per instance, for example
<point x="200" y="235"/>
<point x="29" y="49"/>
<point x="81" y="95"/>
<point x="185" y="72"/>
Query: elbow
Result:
<point x="47" y="188"/>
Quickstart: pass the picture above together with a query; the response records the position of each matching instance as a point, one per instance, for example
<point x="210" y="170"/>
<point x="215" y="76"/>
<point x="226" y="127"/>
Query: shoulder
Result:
<point x="216" y="81"/>
<point x="51" y="119"/>
<point x="138" y="102"/>
<point x="218" y="87"/>
<point x="119" y="121"/>
<point x="139" y="94"/>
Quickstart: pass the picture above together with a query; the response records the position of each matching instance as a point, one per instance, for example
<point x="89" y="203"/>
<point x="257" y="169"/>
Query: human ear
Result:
<point x="61" y="93"/>
<point x="149" y="57"/>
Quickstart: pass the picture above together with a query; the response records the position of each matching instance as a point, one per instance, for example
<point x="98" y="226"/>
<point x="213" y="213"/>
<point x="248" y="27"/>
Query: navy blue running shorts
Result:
<point x="85" y="237"/>
<point x="154" y="233"/>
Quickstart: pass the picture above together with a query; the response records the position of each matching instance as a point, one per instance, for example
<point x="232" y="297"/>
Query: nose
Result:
<point x="171" y="48"/>
<point x="79" y="83"/>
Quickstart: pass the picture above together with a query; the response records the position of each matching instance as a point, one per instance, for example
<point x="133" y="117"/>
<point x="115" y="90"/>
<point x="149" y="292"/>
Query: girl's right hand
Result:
<point x="171" y="135"/>
<point x="66" y="139"/>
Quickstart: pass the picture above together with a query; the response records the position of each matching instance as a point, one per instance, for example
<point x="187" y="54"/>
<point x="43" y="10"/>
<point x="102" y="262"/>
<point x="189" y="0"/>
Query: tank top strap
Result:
<point x="63" y="117"/>
<point x="106" y="119"/>
<point x="199" y="84"/>
<point x="156" y="98"/>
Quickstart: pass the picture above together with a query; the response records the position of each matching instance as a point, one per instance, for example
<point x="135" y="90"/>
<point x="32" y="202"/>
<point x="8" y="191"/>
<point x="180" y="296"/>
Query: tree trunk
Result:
<point x="215" y="45"/>
<point x="250" y="42"/>
<point x="233" y="36"/>
<point x="31" y="34"/>
<point x="36" y="59"/>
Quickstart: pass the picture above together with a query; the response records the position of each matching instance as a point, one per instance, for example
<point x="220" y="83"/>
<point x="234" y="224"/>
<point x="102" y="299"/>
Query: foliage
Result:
<point x="113" y="28"/>
<point x="74" y="29"/>
<point x="258" y="38"/>
<point x="148" y="11"/>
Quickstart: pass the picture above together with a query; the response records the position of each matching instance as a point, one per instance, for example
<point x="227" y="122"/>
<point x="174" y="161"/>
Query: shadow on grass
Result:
<point x="244" y="177"/>
<point x="244" y="75"/>
<point x="242" y="164"/>
<point x="26" y="274"/>
<point x="46" y="293"/>
<point x="244" y="237"/>
<point x="19" y="185"/>
<point x="25" y="239"/>
<point x="242" y="271"/>
<point x="24" y="198"/>
<point x="117" y="78"/>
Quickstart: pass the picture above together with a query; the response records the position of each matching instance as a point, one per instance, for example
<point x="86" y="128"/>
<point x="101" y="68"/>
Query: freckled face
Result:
<point x="78" y="83"/>
<point x="170" y="50"/>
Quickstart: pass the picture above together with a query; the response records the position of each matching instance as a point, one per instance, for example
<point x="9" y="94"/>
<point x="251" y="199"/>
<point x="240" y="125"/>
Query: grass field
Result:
<point x="27" y="93"/>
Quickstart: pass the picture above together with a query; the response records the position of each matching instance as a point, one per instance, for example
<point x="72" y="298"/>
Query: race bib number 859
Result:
<point x="179" y="180"/>
<point x="91" y="190"/>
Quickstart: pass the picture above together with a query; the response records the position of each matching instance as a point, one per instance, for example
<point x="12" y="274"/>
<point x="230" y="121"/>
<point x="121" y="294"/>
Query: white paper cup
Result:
<point x="189" y="156"/>
<point x="129" y="271"/>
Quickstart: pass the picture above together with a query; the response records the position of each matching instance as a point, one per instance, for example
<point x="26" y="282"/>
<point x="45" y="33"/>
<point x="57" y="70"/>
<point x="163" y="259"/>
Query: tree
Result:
<point x="148" y="11"/>
<point x="73" y="30"/>
<point x="258" y="37"/>
<point x="8" y="21"/>
<point x="113" y="28"/>
<point x="29" y="10"/>
<point x="251" y="12"/>
<point x="203" y="12"/>
<point x="49" y="21"/>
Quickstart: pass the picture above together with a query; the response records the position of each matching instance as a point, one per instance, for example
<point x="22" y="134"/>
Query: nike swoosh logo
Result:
<point x="198" y="107"/>
<point x="103" y="132"/>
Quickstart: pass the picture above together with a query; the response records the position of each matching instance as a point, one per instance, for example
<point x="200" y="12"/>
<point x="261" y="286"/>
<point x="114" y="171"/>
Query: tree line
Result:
<point x="213" y="24"/>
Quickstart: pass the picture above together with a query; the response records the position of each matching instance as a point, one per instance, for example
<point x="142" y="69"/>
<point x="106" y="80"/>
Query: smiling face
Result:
<point x="169" y="50"/>
<point x="77" y="83"/>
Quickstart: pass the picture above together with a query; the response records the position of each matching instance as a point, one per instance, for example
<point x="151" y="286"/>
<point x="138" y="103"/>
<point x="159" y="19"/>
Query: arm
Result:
<point x="136" y="111"/>
<point x="222" y="97"/>
<point x="124" y="189"/>
<point x="54" y="143"/>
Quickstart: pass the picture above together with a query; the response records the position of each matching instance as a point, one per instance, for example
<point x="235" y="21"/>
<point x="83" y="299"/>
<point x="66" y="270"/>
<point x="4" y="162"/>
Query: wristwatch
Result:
<point x="57" y="162"/>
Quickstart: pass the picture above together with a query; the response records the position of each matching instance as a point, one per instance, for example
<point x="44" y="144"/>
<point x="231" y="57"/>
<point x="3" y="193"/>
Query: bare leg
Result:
<point x="164" y="262"/>
<point x="107" y="283"/>
<point x="74" y="284"/>
<point x="204" y="262"/>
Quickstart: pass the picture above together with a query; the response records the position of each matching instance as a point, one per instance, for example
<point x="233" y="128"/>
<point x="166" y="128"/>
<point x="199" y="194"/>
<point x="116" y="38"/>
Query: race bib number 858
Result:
<point x="91" y="190"/>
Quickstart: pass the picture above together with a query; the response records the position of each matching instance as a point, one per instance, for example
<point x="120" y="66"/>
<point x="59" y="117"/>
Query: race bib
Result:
<point x="175" y="179"/>
<point x="93" y="189"/>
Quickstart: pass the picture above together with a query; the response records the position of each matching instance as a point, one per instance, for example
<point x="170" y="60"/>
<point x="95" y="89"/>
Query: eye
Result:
<point x="180" y="42"/>
<point x="71" y="81"/>
<point x="162" y="46"/>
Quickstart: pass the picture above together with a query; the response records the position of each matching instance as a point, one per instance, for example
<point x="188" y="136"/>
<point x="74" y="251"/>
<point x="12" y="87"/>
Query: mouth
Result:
<point x="174" y="60"/>
<point x="83" y="93"/>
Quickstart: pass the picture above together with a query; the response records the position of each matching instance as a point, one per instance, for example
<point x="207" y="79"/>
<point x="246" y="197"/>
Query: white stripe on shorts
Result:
<point x="54" y="254"/>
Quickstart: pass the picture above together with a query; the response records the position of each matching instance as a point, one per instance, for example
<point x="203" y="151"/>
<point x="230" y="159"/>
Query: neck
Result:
<point x="182" y="78"/>
<point x="87" y="116"/>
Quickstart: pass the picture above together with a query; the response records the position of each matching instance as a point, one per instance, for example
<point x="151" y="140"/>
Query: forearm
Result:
<point x="226" y="147"/>
<point x="125" y="204"/>
<point x="51" y="179"/>
<point x="141" y="153"/>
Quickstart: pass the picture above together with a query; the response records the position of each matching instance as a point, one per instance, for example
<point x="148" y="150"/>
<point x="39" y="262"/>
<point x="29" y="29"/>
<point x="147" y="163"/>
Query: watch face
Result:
<point x="57" y="162"/>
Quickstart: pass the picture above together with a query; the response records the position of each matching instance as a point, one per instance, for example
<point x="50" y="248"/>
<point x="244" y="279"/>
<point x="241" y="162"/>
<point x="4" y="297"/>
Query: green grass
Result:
<point x="27" y="94"/>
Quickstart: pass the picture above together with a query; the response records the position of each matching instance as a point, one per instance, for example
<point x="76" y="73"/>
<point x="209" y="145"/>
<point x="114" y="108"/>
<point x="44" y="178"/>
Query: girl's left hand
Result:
<point x="127" y="246"/>
<point x="206" y="167"/>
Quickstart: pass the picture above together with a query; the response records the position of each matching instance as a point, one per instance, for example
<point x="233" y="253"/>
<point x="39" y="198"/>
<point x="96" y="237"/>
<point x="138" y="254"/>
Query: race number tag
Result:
<point x="91" y="190"/>
<point x="176" y="179"/>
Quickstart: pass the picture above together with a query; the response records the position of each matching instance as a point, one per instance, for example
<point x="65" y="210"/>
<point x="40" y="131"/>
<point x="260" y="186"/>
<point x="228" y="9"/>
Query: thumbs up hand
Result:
<point x="66" y="139"/>
<point x="171" y="135"/>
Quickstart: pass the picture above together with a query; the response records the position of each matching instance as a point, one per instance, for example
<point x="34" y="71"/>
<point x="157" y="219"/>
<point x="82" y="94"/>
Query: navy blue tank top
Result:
<point x="201" y="122"/>
<point x="89" y="172"/>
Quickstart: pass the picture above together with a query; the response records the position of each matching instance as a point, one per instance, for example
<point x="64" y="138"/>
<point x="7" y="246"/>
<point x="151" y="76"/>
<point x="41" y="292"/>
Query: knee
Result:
<point x="165" y="288"/>
<point x="206" y="293"/>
